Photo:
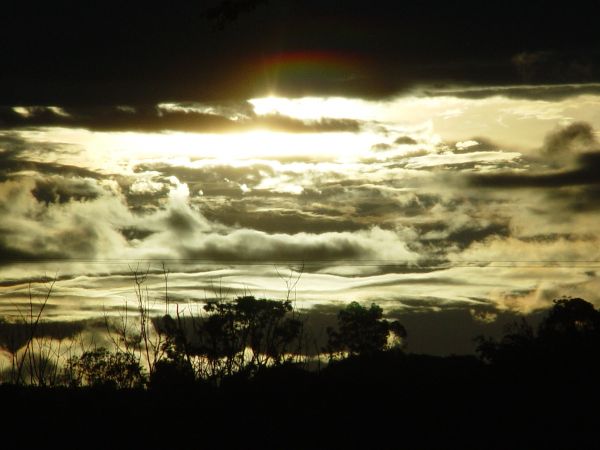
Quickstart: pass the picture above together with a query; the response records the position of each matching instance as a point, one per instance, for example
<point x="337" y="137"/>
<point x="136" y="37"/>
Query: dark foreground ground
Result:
<point x="390" y="401"/>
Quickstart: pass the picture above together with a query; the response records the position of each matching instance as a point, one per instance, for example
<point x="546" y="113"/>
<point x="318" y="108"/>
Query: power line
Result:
<point x="319" y="262"/>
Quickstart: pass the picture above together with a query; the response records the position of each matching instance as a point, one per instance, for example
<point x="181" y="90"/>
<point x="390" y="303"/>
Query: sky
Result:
<point x="440" y="160"/>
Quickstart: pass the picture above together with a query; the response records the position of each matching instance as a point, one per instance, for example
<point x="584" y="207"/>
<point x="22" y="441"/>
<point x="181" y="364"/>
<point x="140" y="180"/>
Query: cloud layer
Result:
<point x="436" y="208"/>
<point x="227" y="50"/>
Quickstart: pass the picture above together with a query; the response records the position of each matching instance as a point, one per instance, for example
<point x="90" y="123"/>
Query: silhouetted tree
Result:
<point x="570" y="318"/>
<point x="567" y="339"/>
<point x="101" y="368"/>
<point x="362" y="330"/>
<point x="517" y="346"/>
<point x="236" y="336"/>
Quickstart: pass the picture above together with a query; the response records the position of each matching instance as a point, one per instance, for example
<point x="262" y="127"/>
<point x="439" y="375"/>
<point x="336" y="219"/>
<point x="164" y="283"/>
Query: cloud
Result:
<point x="398" y="226"/>
<point x="405" y="140"/>
<point x="57" y="189"/>
<point x="575" y="138"/>
<point x="536" y="65"/>
<point x="382" y="146"/>
<point x="154" y="55"/>
<point x="477" y="144"/>
<point x="281" y="220"/>
<point x="283" y="123"/>
<point x="56" y="218"/>
<point x="14" y="160"/>
<point x="577" y="200"/>
<point x="152" y="119"/>
<point x="464" y="235"/>
<point x="572" y="149"/>
<point x="540" y="91"/>
<point x="15" y="335"/>
<point x="213" y="179"/>
<point x="251" y="245"/>
<point x="585" y="174"/>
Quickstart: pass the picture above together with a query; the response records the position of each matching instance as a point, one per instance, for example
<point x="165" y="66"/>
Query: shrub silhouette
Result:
<point x="172" y="374"/>
<point x="101" y="368"/>
<point x="362" y="331"/>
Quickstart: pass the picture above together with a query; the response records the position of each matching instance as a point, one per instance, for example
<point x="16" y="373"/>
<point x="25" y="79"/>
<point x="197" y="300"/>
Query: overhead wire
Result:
<point x="497" y="263"/>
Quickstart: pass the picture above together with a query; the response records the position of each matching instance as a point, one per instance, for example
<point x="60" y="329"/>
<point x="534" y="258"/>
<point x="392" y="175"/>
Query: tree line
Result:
<point x="238" y="374"/>
<point x="238" y="337"/>
<point x="243" y="337"/>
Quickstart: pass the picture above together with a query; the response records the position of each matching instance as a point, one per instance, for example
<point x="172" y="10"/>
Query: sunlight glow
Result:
<point x="315" y="108"/>
<point x="262" y="144"/>
<point x="115" y="152"/>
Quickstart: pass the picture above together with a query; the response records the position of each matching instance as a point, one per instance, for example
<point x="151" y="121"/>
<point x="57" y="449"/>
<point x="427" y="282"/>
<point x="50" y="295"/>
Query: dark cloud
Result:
<point x="13" y="166"/>
<point x="578" y="136"/>
<point x="476" y="164"/>
<point x="463" y="237"/>
<point x="135" y="233"/>
<point x="126" y="55"/>
<point x="405" y="140"/>
<point x="292" y="221"/>
<point x="548" y="92"/>
<point x="145" y="201"/>
<point x="586" y="174"/>
<point x="572" y="152"/>
<point x="578" y="199"/>
<point x="14" y="335"/>
<point x="57" y="189"/>
<point x="181" y="221"/>
<point x="366" y="204"/>
<point x="213" y="180"/>
<point x="553" y="237"/>
<point x="149" y="119"/>
<point x="380" y="205"/>
<point x="283" y="123"/>
<point x="443" y="281"/>
<point x="533" y="65"/>
<point x="15" y="282"/>
<point x="11" y="144"/>
<point x="142" y="119"/>
<point x="382" y="146"/>
<point x="80" y="240"/>
<point x="12" y="160"/>
<point x="10" y="255"/>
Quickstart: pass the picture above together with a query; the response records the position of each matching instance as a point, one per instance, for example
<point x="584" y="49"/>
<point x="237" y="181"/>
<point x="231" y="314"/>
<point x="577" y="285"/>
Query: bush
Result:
<point x="101" y="368"/>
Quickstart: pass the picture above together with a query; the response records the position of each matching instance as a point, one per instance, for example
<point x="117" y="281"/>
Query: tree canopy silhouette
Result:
<point x="101" y="368"/>
<point x="571" y="318"/>
<point x="239" y="336"/>
<point x="567" y="339"/>
<point x="362" y="331"/>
